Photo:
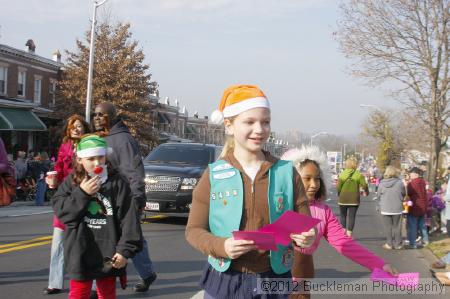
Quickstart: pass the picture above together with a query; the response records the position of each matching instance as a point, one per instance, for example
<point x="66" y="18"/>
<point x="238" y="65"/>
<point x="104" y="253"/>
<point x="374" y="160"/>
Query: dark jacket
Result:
<point x="97" y="227"/>
<point x="391" y="192"/>
<point x="38" y="169"/>
<point x="418" y="195"/>
<point x="126" y="158"/>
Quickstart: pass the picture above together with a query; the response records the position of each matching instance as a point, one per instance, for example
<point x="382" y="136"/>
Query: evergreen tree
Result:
<point x="120" y="76"/>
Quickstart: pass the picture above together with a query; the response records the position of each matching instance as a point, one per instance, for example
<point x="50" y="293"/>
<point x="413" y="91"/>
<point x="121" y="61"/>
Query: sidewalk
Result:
<point x="24" y="208"/>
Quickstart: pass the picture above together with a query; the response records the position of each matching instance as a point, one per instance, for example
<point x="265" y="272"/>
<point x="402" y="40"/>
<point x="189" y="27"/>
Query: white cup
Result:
<point x="52" y="179"/>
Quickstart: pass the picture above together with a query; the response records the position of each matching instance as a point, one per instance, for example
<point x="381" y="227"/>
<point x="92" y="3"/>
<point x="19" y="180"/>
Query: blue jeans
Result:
<point x="40" y="192"/>
<point x="142" y="262"/>
<point x="56" y="276"/>
<point x="413" y="225"/>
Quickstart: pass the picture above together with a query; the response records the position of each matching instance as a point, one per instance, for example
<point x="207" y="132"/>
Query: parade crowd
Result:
<point x="96" y="185"/>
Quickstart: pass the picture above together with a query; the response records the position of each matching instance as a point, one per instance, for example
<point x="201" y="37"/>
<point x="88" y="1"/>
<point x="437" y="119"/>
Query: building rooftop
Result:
<point x="4" y="49"/>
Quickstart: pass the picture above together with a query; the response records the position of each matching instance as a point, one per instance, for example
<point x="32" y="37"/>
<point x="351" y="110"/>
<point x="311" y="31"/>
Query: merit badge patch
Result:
<point x="222" y="167"/>
<point x="280" y="204"/>
<point x="288" y="258"/>
<point x="224" y="175"/>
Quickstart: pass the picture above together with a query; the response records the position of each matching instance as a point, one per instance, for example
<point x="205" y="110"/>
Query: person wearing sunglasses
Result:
<point x="127" y="159"/>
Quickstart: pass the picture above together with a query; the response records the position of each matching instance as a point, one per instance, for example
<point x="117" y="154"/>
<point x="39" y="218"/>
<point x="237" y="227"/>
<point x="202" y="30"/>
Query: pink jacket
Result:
<point x="63" y="166"/>
<point x="334" y="233"/>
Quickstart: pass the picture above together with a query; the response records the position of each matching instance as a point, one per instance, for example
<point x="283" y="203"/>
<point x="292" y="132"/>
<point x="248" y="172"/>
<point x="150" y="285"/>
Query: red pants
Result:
<point x="81" y="289"/>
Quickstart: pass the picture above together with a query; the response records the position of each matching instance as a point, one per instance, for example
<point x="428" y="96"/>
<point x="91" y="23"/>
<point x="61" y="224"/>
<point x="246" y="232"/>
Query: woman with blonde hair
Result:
<point x="349" y="183"/>
<point x="391" y="192"/>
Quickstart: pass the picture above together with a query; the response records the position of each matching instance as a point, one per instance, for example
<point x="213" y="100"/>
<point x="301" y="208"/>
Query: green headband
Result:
<point x="91" y="146"/>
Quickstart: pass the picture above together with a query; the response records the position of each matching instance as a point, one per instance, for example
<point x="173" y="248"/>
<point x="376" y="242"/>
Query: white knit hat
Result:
<point x="312" y="153"/>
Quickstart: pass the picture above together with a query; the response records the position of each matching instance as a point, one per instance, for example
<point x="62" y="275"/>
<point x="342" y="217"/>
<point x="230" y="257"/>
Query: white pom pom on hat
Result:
<point x="237" y="99"/>
<point x="216" y="117"/>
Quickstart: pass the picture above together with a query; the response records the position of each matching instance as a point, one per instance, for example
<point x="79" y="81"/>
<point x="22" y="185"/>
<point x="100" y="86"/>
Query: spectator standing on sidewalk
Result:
<point x="349" y="183"/>
<point x="446" y="214"/>
<point x="416" y="215"/>
<point x="126" y="158"/>
<point x="21" y="166"/>
<point x="390" y="195"/>
<point x="74" y="128"/>
<point x="7" y="174"/>
<point x="37" y="169"/>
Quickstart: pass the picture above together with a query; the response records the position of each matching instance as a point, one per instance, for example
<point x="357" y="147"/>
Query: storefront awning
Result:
<point x="13" y="119"/>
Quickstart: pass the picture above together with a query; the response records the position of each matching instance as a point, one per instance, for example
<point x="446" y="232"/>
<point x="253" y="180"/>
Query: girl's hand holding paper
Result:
<point x="305" y="239"/>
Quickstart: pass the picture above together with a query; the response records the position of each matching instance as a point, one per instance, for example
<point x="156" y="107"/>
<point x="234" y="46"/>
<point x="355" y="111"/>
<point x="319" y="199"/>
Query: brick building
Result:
<point x="28" y="85"/>
<point x="176" y="125"/>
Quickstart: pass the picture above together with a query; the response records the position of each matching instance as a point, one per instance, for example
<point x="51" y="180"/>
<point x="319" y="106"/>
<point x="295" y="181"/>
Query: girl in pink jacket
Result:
<point x="312" y="164"/>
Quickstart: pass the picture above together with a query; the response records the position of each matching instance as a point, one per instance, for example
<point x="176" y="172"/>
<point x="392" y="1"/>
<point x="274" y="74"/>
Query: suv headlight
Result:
<point x="188" y="183"/>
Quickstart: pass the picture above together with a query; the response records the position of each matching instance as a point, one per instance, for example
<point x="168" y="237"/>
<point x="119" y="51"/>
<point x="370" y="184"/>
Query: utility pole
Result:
<point x="91" y="61"/>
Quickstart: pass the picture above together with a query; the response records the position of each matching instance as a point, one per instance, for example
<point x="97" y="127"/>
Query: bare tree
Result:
<point x="407" y="41"/>
<point x="396" y="133"/>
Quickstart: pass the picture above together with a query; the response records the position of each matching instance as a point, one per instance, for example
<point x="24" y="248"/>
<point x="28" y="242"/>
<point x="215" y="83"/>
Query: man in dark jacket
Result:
<point x="126" y="158"/>
<point x="416" y="217"/>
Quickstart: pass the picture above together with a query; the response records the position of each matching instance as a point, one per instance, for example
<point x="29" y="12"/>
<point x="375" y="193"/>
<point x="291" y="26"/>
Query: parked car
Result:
<point x="172" y="171"/>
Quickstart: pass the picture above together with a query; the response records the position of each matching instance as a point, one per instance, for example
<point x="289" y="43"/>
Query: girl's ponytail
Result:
<point x="228" y="146"/>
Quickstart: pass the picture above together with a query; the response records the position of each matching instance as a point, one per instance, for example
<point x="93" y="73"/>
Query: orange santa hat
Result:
<point x="237" y="99"/>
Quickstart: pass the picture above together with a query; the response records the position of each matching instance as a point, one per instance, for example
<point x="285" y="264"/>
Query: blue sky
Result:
<point x="196" y="48"/>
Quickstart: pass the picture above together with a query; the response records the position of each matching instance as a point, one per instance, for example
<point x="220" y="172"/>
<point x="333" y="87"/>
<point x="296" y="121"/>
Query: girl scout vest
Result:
<point x="226" y="205"/>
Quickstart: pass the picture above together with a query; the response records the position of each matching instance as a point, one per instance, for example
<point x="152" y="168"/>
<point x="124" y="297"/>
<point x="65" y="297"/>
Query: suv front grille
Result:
<point x="161" y="183"/>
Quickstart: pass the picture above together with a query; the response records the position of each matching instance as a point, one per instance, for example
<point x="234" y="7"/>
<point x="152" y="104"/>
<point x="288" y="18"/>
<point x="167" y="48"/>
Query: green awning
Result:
<point x="13" y="119"/>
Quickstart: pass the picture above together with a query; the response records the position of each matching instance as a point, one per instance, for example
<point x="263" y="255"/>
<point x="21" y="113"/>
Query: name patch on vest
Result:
<point x="222" y="167"/>
<point x="224" y="175"/>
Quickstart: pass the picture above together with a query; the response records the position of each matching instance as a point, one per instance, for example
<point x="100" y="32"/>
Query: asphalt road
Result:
<point x="25" y="251"/>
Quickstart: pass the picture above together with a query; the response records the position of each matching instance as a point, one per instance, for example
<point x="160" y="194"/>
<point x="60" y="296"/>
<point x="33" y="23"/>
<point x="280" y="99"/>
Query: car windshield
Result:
<point x="181" y="155"/>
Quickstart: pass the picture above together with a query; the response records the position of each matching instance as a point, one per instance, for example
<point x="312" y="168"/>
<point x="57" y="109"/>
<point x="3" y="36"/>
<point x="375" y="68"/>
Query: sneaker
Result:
<point x="411" y="247"/>
<point x="418" y="239"/>
<point x="144" y="284"/>
<point x="387" y="246"/>
<point x="50" y="291"/>
<point x="438" y="265"/>
<point x="434" y="229"/>
<point x="398" y="247"/>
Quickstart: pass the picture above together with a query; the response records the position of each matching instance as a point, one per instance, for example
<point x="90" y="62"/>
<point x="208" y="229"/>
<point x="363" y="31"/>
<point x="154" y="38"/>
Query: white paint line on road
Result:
<point x="29" y="214"/>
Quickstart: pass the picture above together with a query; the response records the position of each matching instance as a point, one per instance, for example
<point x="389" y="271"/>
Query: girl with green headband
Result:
<point x="102" y="223"/>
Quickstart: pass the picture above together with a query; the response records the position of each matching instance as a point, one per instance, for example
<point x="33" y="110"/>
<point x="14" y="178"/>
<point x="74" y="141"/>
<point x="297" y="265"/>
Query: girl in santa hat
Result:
<point x="245" y="189"/>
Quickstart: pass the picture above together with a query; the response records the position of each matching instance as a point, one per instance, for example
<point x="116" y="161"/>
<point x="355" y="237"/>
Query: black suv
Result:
<point x="171" y="172"/>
